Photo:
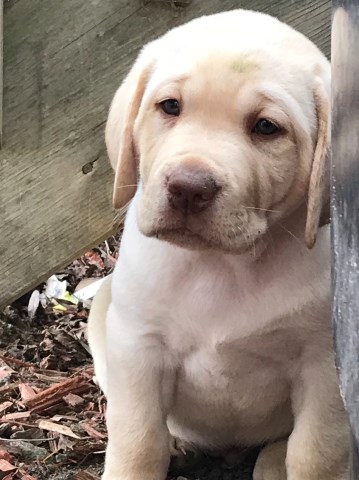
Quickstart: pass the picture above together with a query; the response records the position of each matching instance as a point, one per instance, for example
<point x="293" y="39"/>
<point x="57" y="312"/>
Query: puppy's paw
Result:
<point x="270" y="464"/>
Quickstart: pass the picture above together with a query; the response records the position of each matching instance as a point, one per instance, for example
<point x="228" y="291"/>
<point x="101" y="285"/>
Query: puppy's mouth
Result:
<point x="186" y="238"/>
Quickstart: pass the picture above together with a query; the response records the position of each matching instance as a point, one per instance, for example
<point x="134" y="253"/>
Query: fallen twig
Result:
<point x="54" y="394"/>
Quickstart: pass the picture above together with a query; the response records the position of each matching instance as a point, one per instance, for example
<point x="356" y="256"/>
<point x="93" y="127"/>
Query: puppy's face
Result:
<point x="224" y="150"/>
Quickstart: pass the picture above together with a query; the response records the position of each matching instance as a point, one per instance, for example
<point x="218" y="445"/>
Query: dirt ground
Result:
<point x="52" y="414"/>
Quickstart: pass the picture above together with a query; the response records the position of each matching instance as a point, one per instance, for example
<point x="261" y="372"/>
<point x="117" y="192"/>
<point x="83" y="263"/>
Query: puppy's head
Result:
<point x="225" y="130"/>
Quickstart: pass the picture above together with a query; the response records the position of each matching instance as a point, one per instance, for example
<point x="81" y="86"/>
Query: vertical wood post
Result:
<point x="1" y="69"/>
<point x="345" y="208"/>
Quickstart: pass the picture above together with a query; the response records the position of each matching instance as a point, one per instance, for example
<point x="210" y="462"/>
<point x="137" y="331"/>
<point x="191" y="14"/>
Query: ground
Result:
<point x="51" y="411"/>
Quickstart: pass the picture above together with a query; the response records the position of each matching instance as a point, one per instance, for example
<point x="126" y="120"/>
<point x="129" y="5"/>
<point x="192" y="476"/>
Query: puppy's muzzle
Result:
<point x="191" y="190"/>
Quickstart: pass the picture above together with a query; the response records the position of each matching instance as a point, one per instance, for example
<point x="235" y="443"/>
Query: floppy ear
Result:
<point x="119" y="131"/>
<point x="318" y="194"/>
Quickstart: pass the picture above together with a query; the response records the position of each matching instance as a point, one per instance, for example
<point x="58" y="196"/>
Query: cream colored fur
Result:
<point x="215" y="328"/>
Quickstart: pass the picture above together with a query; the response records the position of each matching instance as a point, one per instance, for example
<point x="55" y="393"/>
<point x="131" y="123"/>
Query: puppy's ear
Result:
<point x="318" y="194"/>
<point x="119" y="131"/>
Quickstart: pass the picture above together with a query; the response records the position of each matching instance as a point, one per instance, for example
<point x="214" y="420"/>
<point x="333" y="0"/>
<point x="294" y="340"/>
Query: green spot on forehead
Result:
<point x="244" y="66"/>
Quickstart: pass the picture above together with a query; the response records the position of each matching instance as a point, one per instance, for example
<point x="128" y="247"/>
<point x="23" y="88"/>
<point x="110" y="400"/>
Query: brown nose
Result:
<point x="191" y="191"/>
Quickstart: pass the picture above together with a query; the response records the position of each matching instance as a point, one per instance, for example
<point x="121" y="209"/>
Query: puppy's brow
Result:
<point x="173" y="81"/>
<point x="244" y="66"/>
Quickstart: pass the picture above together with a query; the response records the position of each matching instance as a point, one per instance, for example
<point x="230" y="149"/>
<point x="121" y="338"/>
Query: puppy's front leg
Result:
<point x="318" y="448"/>
<point x="139" y="390"/>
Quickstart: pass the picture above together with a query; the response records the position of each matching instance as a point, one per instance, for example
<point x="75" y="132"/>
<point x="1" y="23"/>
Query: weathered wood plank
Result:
<point x="345" y="211"/>
<point x="62" y="63"/>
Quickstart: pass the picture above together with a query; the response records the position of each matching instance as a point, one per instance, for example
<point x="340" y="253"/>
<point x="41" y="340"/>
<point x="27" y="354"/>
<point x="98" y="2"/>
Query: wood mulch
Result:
<point x="52" y="414"/>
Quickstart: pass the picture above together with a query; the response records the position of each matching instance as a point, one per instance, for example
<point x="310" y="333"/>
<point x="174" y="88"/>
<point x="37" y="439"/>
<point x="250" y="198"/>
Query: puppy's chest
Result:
<point x="218" y="347"/>
<point x="229" y="329"/>
<point x="215" y="323"/>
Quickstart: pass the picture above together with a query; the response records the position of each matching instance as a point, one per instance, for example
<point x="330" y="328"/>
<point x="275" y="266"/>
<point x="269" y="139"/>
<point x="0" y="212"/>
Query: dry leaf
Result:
<point x="26" y="392"/>
<point x="73" y="400"/>
<point x="6" y="466"/>
<point x="93" y="432"/>
<point x="55" y="427"/>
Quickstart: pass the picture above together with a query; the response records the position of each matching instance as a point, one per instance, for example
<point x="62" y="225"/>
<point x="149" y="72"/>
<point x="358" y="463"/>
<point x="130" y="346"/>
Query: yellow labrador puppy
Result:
<point x="215" y="329"/>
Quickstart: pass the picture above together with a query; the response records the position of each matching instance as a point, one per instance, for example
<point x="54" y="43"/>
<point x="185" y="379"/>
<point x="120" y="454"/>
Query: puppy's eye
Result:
<point x="171" y="107"/>
<point x="265" y="127"/>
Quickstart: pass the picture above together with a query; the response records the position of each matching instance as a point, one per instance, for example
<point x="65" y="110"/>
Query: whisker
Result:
<point x="250" y="243"/>
<point x="265" y="245"/>
<point x="244" y="235"/>
<point x="290" y="233"/>
<point x="261" y="209"/>
<point x="126" y="186"/>
<point x="226" y="194"/>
